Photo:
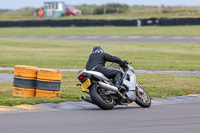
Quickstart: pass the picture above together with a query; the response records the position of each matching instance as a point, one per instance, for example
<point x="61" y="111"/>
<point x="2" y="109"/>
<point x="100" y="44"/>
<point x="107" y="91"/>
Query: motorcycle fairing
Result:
<point x="96" y="74"/>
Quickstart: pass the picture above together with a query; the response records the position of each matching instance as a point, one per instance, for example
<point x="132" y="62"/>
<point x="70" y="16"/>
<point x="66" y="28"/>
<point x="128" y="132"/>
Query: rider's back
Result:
<point x="99" y="60"/>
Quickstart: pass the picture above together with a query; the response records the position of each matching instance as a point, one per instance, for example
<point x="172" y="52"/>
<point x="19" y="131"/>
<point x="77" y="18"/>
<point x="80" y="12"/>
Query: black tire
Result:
<point x="143" y="103"/>
<point x="99" y="101"/>
<point x="22" y="82"/>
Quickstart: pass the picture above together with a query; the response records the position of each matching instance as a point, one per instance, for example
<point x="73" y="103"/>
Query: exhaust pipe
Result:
<point x="108" y="87"/>
<point x="87" y="99"/>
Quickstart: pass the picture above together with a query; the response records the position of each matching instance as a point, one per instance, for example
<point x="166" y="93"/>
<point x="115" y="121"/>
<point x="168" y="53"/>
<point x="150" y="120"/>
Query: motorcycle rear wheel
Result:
<point x="97" y="94"/>
<point x="142" y="98"/>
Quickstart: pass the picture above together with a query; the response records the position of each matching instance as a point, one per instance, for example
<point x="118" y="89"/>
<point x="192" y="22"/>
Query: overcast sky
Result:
<point x="17" y="4"/>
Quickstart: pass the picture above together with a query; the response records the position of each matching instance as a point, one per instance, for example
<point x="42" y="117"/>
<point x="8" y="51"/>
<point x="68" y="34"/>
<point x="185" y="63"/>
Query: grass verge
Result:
<point x="103" y="31"/>
<point x="74" y="54"/>
<point x="156" y="85"/>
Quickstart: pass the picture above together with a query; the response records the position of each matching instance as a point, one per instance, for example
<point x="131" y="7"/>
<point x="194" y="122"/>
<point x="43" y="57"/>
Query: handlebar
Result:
<point x="127" y="63"/>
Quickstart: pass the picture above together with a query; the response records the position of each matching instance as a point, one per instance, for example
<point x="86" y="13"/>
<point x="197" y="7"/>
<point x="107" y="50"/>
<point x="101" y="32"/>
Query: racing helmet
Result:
<point x="97" y="50"/>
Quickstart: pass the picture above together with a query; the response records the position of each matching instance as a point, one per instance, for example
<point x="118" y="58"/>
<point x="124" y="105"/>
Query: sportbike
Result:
<point x="105" y="95"/>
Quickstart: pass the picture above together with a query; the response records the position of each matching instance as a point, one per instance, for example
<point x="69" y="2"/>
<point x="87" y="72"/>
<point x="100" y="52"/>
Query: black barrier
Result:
<point x="87" y="22"/>
<point x="27" y="83"/>
<point x="178" y="21"/>
<point x="48" y="85"/>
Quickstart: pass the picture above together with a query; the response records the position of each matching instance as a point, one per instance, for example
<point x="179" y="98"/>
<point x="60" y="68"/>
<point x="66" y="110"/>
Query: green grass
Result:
<point x="74" y="54"/>
<point x="160" y="85"/>
<point x="155" y="84"/>
<point x="103" y="31"/>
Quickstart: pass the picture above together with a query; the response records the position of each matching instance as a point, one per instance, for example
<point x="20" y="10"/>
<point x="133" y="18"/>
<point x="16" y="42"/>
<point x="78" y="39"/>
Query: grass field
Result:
<point x="103" y="31"/>
<point x="155" y="84"/>
<point x="74" y="54"/>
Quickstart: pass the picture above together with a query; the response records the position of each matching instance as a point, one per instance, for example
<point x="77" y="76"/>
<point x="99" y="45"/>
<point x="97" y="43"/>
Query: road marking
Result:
<point x="113" y="37"/>
<point x="91" y="36"/>
<point x="178" y="37"/>
<point x="12" y="36"/>
<point x="134" y="36"/>
<point x="8" y="109"/>
<point x="133" y="104"/>
<point x="156" y="102"/>
<point x="31" y="36"/>
<point x="156" y="37"/>
<point x="72" y="36"/>
<point x="196" y="37"/>
<point x="4" y="109"/>
<point x="24" y="108"/>
<point x="52" y="37"/>
<point x="194" y="95"/>
<point x="33" y="107"/>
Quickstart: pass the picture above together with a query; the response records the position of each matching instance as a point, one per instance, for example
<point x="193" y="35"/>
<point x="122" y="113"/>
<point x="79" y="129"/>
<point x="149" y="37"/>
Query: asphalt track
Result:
<point x="166" y="118"/>
<point x="113" y="38"/>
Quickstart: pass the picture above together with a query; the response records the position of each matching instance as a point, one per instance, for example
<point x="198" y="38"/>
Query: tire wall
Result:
<point x="32" y="81"/>
<point x="48" y="83"/>
<point x="24" y="81"/>
<point x="91" y="22"/>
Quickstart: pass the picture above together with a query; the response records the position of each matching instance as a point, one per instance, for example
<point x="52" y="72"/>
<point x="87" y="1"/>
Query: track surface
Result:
<point x="114" y="38"/>
<point x="177" y="118"/>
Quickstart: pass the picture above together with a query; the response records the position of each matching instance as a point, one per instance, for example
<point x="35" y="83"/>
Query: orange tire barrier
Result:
<point x="24" y="81"/>
<point x="23" y="71"/>
<point x="41" y="82"/>
<point x="23" y="92"/>
<point x="45" y="93"/>
<point x="49" y="74"/>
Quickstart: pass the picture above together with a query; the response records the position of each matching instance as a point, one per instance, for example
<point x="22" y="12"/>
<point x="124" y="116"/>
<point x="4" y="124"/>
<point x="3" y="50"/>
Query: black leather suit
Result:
<point x="96" y="62"/>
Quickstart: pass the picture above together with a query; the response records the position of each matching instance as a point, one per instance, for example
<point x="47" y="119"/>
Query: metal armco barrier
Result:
<point x="87" y="22"/>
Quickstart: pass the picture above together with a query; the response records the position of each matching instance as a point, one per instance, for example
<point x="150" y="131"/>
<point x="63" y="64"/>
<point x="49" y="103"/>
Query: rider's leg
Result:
<point x="118" y="80"/>
<point x="116" y="75"/>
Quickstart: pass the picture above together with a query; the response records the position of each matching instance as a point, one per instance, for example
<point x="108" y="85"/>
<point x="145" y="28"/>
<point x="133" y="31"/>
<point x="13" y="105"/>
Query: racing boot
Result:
<point x="120" y="87"/>
<point x="118" y="81"/>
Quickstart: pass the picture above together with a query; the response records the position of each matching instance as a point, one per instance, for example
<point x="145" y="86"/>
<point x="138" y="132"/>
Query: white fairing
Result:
<point x="131" y="83"/>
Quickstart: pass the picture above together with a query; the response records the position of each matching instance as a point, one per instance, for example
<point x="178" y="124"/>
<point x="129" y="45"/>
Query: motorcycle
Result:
<point x="105" y="95"/>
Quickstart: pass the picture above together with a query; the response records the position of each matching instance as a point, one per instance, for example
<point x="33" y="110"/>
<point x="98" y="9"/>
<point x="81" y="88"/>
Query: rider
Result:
<point x="97" y="60"/>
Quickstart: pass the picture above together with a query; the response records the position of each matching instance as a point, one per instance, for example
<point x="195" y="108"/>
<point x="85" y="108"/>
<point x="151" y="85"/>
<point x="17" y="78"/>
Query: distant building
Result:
<point x="54" y="9"/>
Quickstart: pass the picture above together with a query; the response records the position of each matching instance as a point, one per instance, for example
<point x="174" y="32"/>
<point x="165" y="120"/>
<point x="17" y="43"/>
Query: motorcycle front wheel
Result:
<point x="142" y="98"/>
<point x="99" y="97"/>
